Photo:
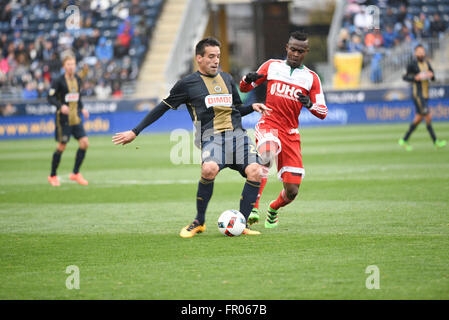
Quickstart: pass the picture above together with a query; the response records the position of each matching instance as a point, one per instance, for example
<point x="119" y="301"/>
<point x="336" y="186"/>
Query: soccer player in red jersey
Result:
<point x="290" y="87"/>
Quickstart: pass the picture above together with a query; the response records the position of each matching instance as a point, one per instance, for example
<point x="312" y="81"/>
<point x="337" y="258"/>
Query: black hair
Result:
<point x="299" y="35"/>
<point x="419" y="45"/>
<point x="206" y="42"/>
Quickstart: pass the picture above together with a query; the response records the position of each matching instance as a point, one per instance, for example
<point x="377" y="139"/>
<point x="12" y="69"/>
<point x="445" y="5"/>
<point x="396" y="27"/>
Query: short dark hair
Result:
<point x="419" y="45"/>
<point x="298" y="35"/>
<point x="206" y="42"/>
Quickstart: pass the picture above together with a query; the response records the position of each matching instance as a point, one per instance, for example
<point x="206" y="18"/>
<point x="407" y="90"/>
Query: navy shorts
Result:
<point x="63" y="132"/>
<point x="230" y="149"/>
<point x="421" y="105"/>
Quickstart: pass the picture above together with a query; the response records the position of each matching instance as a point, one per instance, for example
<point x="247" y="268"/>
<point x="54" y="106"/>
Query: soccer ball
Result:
<point x="231" y="223"/>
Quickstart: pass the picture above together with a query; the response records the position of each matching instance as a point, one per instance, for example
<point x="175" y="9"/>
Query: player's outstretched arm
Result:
<point x="124" y="137"/>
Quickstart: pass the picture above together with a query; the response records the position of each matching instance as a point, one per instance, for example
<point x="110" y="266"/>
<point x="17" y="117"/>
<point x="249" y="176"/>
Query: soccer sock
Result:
<point x="281" y="201"/>
<point x="263" y="182"/>
<point x="249" y="197"/>
<point x="203" y="195"/>
<point x="410" y="130"/>
<point x="431" y="132"/>
<point x="55" y="162"/>
<point x="79" y="160"/>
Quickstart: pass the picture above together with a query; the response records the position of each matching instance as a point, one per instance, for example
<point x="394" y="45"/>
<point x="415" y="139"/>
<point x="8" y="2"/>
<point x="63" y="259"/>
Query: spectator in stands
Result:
<point x="117" y="92"/>
<point x="355" y="45"/>
<point x="437" y="27"/>
<point x="19" y="21"/>
<point x="402" y="15"/>
<point x="421" y="26"/>
<point x="124" y="36"/>
<point x="5" y="13"/>
<point x="104" y="50"/>
<point x="389" y="18"/>
<point x="373" y="40"/>
<point x="390" y="37"/>
<point x="30" y="91"/>
<point x="3" y="45"/>
<point x="102" y="91"/>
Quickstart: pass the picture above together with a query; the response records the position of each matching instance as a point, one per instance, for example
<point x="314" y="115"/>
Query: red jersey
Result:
<point x="284" y="85"/>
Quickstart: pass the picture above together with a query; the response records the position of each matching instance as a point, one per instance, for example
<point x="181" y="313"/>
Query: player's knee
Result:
<point x="209" y="170"/>
<point x="291" y="192"/>
<point x="253" y="172"/>
<point x="84" y="143"/>
<point x="61" y="147"/>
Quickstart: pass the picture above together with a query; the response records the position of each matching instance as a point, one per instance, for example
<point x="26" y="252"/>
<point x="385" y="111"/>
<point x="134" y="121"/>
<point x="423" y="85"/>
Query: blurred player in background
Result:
<point x="291" y="86"/>
<point x="420" y="73"/>
<point x="215" y="107"/>
<point x="65" y="95"/>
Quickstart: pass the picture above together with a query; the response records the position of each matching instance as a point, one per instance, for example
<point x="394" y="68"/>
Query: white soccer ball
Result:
<point x="231" y="223"/>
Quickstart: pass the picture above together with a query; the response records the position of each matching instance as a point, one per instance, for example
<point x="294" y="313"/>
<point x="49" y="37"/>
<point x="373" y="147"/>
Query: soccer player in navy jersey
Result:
<point x="215" y="107"/>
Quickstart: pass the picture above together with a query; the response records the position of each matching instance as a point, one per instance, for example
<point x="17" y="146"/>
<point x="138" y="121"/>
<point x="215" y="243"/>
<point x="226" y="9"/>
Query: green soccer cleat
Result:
<point x="272" y="219"/>
<point x="253" y="216"/>
<point x="405" y="144"/>
<point x="440" y="143"/>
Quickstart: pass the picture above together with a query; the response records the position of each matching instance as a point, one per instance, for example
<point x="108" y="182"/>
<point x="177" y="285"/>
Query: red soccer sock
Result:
<point x="281" y="201"/>
<point x="263" y="182"/>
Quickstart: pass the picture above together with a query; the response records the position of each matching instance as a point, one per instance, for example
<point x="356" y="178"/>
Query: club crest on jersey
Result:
<point x="218" y="89"/>
<point x="223" y="100"/>
<point x="284" y="90"/>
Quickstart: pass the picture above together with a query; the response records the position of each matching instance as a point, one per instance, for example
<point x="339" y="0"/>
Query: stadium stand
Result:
<point x="110" y="42"/>
<point x="388" y="41"/>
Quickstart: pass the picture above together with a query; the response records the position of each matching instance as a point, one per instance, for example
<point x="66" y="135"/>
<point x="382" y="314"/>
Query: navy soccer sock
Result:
<point x="431" y="132"/>
<point x="249" y="197"/>
<point x="55" y="162"/>
<point x="205" y="189"/>
<point x="410" y="131"/>
<point x="79" y="160"/>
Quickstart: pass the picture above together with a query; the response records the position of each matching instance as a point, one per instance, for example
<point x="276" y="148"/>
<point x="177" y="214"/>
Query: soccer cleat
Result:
<point x="440" y="143"/>
<point x="54" y="181"/>
<point x="253" y="216"/>
<point x="250" y="232"/>
<point x="190" y="230"/>
<point x="405" y="144"/>
<point x="272" y="219"/>
<point x="78" y="178"/>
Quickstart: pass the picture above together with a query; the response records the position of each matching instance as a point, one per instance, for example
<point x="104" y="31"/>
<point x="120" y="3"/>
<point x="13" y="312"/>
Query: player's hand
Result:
<point x="305" y="100"/>
<point x="253" y="77"/>
<point x="261" y="108"/>
<point x="65" y="109"/>
<point x="123" y="137"/>
<point x="86" y="113"/>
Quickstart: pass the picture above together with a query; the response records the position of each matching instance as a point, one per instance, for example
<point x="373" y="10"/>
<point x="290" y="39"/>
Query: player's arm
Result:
<point x="431" y="72"/>
<point x="245" y="110"/>
<point x="52" y="97"/>
<point x="253" y="79"/>
<point x="411" y="73"/>
<point x="315" y="101"/>
<point x="84" y="111"/>
<point x="173" y="101"/>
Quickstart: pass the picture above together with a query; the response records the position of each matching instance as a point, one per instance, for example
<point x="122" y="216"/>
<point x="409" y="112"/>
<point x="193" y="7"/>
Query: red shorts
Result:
<point x="288" y="159"/>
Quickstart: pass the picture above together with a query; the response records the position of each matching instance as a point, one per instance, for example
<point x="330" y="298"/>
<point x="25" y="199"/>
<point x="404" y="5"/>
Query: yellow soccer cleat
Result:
<point x="190" y="230"/>
<point x="250" y="232"/>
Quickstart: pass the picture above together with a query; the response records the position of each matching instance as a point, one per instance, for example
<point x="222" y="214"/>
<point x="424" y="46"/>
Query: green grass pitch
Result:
<point x="364" y="201"/>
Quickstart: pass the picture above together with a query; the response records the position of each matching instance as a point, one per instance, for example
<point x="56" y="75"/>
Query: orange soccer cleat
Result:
<point x="54" y="181"/>
<point x="78" y="178"/>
